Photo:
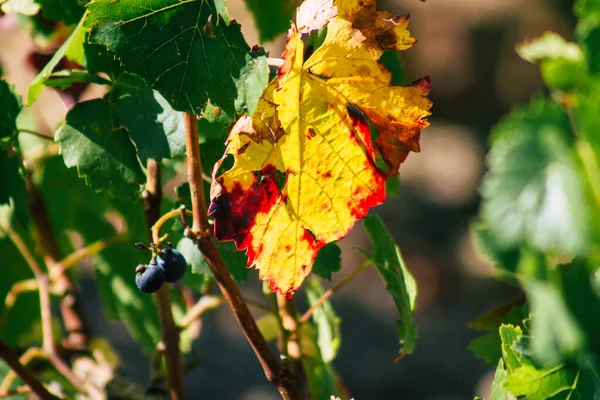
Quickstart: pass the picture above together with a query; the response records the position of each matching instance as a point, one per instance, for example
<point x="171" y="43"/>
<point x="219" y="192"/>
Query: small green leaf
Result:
<point x="102" y="153"/>
<point x="72" y="46"/>
<point x="555" y="332"/>
<point x="234" y="260"/>
<point x="488" y="346"/>
<point x="328" y="261"/>
<point x="194" y="258"/>
<point x="529" y="383"/>
<point x="254" y="77"/>
<point x="271" y="17"/>
<point x="322" y="379"/>
<point x="498" y="391"/>
<point x="178" y="47"/>
<point x="325" y="319"/>
<point x="11" y="107"/>
<point x="533" y="192"/>
<point x="388" y="261"/>
<point x="155" y="128"/>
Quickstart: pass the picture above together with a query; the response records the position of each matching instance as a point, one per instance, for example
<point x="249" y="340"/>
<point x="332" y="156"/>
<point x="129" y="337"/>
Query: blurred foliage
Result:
<point x="539" y="225"/>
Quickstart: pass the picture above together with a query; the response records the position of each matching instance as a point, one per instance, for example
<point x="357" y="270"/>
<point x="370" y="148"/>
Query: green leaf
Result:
<point x="498" y="391"/>
<point x="234" y="259"/>
<point x="254" y="77"/>
<point x="325" y="319"/>
<point x="555" y="332"/>
<point x="542" y="384"/>
<point x="549" y="46"/>
<point x="533" y="192"/>
<point x="178" y="47"/>
<point x="588" y="31"/>
<point x="67" y="11"/>
<point x="328" y="261"/>
<point x="11" y="107"/>
<point x="194" y="258"/>
<point x="13" y="195"/>
<point x="155" y="128"/>
<point x="103" y="154"/>
<point x="388" y="261"/>
<point x="488" y="346"/>
<point x="73" y="46"/>
<point x="580" y="295"/>
<point x="271" y="17"/>
<point x="322" y="379"/>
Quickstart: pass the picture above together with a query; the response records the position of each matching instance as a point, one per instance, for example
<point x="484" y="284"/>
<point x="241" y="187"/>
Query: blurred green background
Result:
<point x="467" y="47"/>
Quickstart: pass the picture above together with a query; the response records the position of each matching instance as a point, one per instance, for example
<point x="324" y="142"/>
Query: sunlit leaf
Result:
<point x="326" y="321"/>
<point x="533" y="193"/>
<point x="102" y="153"/>
<point x="305" y="167"/>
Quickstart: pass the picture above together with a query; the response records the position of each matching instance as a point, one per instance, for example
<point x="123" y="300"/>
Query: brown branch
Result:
<point x="170" y="333"/>
<point x="273" y="369"/>
<point x="289" y="324"/>
<point x="78" y="332"/>
<point x="12" y="359"/>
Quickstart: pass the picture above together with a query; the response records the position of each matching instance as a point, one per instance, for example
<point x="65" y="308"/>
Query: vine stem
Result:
<point x="43" y="288"/>
<point x="331" y="291"/>
<point x="78" y="332"/>
<point x="274" y="371"/>
<point x="152" y="197"/>
<point x="12" y="359"/>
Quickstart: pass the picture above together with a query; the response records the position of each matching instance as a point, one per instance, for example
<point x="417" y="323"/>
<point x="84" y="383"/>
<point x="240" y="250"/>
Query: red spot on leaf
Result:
<point x="234" y="212"/>
<point x="327" y="174"/>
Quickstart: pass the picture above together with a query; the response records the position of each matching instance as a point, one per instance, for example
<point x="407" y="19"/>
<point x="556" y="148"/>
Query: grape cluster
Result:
<point x="168" y="266"/>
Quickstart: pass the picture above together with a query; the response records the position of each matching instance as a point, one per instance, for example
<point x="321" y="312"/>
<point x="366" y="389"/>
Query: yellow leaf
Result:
<point x="305" y="168"/>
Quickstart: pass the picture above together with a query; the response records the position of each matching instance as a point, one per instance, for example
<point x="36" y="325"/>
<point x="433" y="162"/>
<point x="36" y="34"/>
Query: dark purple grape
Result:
<point x="173" y="263"/>
<point x="149" y="278"/>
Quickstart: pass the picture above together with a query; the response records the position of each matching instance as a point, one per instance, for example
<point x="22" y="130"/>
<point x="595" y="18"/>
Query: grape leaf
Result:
<point x="322" y="378"/>
<point x="155" y="128"/>
<point x="67" y="11"/>
<point x="73" y="46"/>
<point x="13" y="195"/>
<point x="102" y="153"/>
<point x="305" y="167"/>
<point x="235" y="260"/>
<point x="498" y="391"/>
<point x="533" y="192"/>
<point x="11" y="107"/>
<point x="555" y="331"/>
<point x="315" y="14"/>
<point x="271" y="17"/>
<point x="523" y="379"/>
<point x="326" y="321"/>
<point x="254" y="77"/>
<point x="328" y="261"/>
<point x="388" y="261"/>
<point x="180" y="48"/>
